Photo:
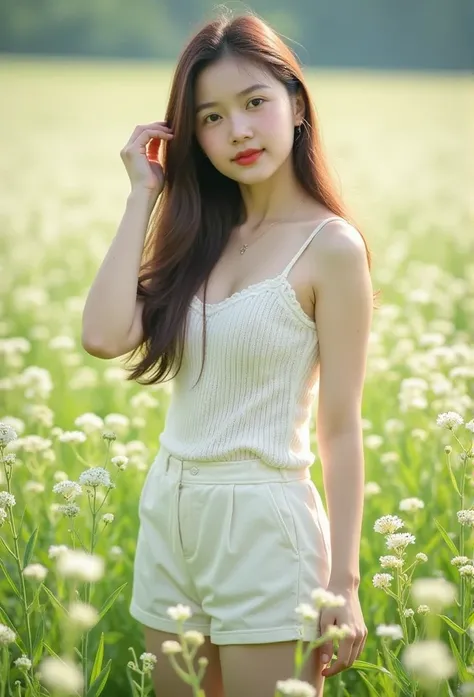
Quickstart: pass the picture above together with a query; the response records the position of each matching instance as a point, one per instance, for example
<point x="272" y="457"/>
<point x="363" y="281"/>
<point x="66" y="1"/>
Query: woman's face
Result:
<point x="240" y="106"/>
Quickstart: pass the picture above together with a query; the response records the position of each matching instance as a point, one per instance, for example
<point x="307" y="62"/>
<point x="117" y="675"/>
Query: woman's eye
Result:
<point x="206" y="120"/>
<point x="256" y="99"/>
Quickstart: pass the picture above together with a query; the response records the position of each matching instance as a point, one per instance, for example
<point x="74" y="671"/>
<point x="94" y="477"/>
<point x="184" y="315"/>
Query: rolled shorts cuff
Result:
<point x="165" y="624"/>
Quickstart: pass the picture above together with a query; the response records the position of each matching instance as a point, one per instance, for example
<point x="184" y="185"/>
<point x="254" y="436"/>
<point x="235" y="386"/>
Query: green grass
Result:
<point x="399" y="146"/>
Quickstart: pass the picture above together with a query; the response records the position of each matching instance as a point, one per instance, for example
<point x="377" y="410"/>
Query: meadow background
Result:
<point x="400" y="145"/>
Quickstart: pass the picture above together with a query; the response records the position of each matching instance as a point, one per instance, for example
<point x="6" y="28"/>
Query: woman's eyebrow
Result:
<point x="257" y="86"/>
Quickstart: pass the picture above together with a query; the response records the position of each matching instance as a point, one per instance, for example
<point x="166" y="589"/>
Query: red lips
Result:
<point x="247" y="157"/>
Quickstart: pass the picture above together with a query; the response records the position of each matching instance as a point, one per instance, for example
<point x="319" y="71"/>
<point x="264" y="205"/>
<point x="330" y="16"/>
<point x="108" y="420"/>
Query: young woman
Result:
<point x="253" y="284"/>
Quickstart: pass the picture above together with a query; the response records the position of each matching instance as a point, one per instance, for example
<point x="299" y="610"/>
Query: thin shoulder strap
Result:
<point x="313" y="234"/>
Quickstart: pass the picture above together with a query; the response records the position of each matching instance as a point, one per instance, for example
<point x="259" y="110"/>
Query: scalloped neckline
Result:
<point x="250" y="290"/>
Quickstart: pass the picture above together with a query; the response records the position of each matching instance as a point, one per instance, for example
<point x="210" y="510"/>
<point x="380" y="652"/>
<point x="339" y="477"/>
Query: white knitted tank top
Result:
<point x="255" y="395"/>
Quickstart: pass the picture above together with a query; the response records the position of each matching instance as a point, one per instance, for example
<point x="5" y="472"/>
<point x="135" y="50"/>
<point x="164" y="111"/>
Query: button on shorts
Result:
<point x="241" y="543"/>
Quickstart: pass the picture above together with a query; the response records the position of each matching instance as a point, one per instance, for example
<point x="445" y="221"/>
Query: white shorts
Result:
<point x="241" y="543"/>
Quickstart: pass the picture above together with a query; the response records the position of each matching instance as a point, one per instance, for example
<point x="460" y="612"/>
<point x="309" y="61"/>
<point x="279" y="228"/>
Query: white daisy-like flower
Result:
<point x="324" y="598"/>
<point x="306" y="612"/>
<point x="68" y="489"/>
<point x="391" y="562"/>
<point x="7" y="635"/>
<point x="411" y="504"/>
<point x="23" y="663"/>
<point x="467" y="570"/>
<point x="390" y="631"/>
<point x="295" y="688"/>
<point x="171" y="647"/>
<point x="429" y="661"/>
<point x="61" y="675"/>
<point x="179" y="612"/>
<point x="83" y="615"/>
<point x="80" y="565"/>
<point x="120" y="461"/>
<point x="388" y="524"/>
<point x="149" y="660"/>
<point x="193" y="638"/>
<point x="435" y="592"/>
<point x="7" y="434"/>
<point x="399" y="540"/>
<point x="382" y="581"/>
<point x="72" y="437"/>
<point x="108" y="518"/>
<point x="450" y="420"/>
<point x="461" y="561"/>
<point x="55" y="550"/>
<point x="36" y="571"/>
<point x="68" y="510"/>
<point x="95" y="476"/>
<point x="466" y="517"/>
<point x="7" y="500"/>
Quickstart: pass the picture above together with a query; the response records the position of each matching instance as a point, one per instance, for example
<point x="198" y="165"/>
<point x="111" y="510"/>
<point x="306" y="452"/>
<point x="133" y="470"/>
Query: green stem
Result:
<point x="462" y="546"/>
<point x="88" y="592"/>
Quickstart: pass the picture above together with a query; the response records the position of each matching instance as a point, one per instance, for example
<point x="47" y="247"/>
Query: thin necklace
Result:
<point x="244" y="247"/>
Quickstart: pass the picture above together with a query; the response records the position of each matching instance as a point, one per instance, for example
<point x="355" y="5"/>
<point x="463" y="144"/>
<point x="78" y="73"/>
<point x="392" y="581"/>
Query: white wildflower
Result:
<point x="423" y="609"/>
<point x="95" y="476"/>
<point x="372" y="489"/>
<point x="324" y="598"/>
<point x="32" y="487"/>
<point x="333" y="631"/>
<point x="108" y="518"/>
<point x="435" y="592"/>
<point x="409" y="612"/>
<point x="3" y="516"/>
<point x="179" y="612"/>
<point x="115" y="551"/>
<point x="461" y="561"/>
<point x="470" y="426"/>
<point x="36" y="571"/>
<point x="109" y="435"/>
<point x="7" y="434"/>
<point x="382" y="581"/>
<point x="388" y="524"/>
<point x="118" y="423"/>
<point x="9" y="460"/>
<point x="73" y="437"/>
<point x="466" y="517"/>
<point x="391" y="562"/>
<point x="399" y="540"/>
<point x="89" y="422"/>
<point x="421" y="557"/>
<point x="391" y="631"/>
<point x="7" y="500"/>
<point x="467" y="570"/>
<point x="306" y="612"/>
<point x="68" y="510"/>
<point x="193" y="638"/>
<point x="23" y="663"/>
<point x="295" y="688"/>
<point x="411" y="504"/>
<point x="450" y="420"/>
<point x="80" y="565"/>
<point x="7" y="635"/>
<point x="429" y="661"/>
<point x="35" y="444"/>
<point x="61" y="675"/>
<point x="68" y="489"/>
<point x="171" y="647"/>
<point x="120" y="461"/>
<point x="149" y="660"/>
<point x="55" y="550"/>
<point x="83" y="615"/>
<point x="60" y="476"/>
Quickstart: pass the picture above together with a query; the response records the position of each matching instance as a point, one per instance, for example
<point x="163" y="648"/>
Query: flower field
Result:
<point x="76" y="438"/>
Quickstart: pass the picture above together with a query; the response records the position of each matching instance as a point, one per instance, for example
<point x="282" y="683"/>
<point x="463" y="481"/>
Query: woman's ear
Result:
<point x="299" y="107"/>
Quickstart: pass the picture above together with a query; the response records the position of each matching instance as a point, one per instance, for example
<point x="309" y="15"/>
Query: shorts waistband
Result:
<point x="229" y="472"/>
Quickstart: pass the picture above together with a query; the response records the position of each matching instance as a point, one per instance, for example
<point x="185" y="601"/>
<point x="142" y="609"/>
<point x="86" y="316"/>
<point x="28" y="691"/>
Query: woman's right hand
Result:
<point x="140" y="156"/>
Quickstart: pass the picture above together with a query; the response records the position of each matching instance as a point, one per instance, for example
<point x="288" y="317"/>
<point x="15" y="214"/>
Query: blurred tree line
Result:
<point x="419" y="34"/>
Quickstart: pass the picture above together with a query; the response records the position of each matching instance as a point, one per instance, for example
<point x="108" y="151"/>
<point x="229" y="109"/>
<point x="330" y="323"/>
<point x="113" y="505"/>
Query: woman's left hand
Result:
<point x="352" y="645"/>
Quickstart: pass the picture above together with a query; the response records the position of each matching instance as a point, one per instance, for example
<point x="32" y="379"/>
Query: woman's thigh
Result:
<point x="167" y="683"/>
<point x="254" y="669"/>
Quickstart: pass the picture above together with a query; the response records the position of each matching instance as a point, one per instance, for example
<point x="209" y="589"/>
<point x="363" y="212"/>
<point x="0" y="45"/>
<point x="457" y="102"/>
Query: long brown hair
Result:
<point x="199" y="206"/>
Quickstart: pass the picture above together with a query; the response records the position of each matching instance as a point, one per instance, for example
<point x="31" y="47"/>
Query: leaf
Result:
<point x="10" y="580"/>
<point x="50" y="650"/>
<point x="100" y="682"/>
<point x="99" y="657"/>
<point x="447" y="539"/>
<point x="30" y="546"/>
<point x="364" y="665"/>
<point x="452" y="624"/>
<point x="53" y="599"/>
<point x="397" y="670"/>
<point x="38" y="641"/>
<point x="372" y="691"/>
<point x="110" y="600"/>
<point x="6" y="620"/>
<point x="463" y="673"/>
